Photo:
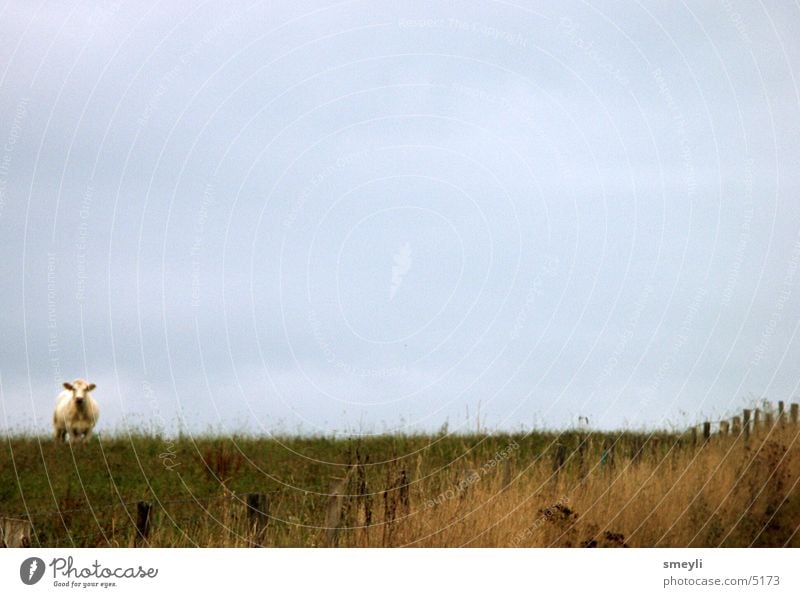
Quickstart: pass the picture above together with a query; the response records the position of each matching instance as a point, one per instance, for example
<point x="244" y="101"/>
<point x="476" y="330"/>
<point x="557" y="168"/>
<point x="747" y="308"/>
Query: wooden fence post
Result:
<point x="756" y="420"/>
<point x="404" y="492"/>
<point x="781" y="413"/>
<point x="706" y="431"/>
<point x="736" y="425"/>
<point x="559" y="458"/>
<point x="724" y="427"/>
<point x="746" y="423"/>
<point x="607" y="458"/>
<point x="768" y="421"/>
<point x="257" y="518"/>
<point x="694" y="436"/>
<point x="333" y="515"/>
<point x="143" y="510"/>
<point x="793" y="412"/>
<point x="655" y="442"/>
<point x="637" y="448"/>
<point x="582" y="448"/>
<point x="15" y="532"/>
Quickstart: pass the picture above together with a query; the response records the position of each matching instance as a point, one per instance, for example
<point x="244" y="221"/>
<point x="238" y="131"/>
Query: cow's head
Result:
<point x="80" y="390"/>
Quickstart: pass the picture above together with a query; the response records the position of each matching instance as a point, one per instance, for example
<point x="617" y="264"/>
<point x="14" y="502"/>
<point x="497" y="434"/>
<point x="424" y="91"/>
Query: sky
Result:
<point x="377" y="217"/>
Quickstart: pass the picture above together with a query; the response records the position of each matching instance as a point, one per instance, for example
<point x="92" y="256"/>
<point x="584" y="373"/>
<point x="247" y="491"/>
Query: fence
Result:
<point x="752" y="421"/>
<point x="18" y="531"/>
<point x="249" y="513"/>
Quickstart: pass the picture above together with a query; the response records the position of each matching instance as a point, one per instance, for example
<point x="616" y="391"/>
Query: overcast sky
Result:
<point x="379" y="216"/>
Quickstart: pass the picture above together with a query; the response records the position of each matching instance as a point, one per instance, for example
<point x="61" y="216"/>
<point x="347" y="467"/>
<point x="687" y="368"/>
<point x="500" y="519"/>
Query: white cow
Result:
<point x="76" y="411"/>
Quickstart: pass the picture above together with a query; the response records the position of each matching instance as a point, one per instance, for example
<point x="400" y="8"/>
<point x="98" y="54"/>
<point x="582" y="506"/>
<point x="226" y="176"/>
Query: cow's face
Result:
<point x="80" y="390"/>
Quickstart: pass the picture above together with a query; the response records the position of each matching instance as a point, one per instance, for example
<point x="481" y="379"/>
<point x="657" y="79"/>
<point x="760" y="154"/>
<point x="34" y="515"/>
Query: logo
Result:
<point x="31" y="571"/>
<point x="402" y="265"/>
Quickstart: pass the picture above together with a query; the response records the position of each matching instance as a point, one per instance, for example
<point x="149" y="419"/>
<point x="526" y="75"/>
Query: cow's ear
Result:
<point x="68" y="386"/>
<point x="90" y="387"/>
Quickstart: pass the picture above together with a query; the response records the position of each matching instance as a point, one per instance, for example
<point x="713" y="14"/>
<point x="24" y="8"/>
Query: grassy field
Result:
<point x="571" y="489"/>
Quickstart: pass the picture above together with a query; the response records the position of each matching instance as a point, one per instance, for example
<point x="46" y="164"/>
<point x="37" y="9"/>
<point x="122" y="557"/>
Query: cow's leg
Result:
<point x="59" y="430"/>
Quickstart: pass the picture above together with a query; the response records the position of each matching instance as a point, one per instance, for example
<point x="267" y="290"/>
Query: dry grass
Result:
<point x="607" y="490"/>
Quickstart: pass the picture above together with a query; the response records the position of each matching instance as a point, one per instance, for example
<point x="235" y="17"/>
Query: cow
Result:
<point x="76" y="411"/>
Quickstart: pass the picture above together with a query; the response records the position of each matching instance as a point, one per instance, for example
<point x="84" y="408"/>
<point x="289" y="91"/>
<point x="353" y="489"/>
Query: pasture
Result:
<point x="570" y="489"/>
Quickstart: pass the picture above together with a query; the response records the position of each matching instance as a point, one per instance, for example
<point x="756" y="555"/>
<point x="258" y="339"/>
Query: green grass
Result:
<point x="86" y="494"/>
